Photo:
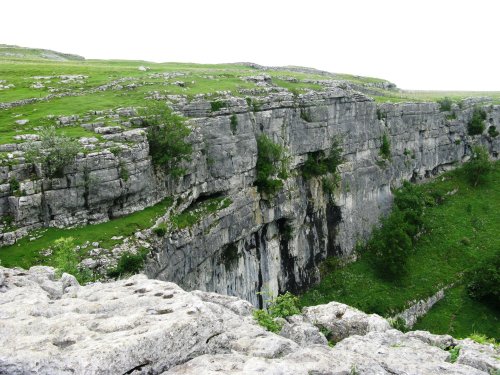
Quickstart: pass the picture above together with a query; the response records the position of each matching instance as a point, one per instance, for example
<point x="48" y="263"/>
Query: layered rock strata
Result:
<point x="257" y="243"/>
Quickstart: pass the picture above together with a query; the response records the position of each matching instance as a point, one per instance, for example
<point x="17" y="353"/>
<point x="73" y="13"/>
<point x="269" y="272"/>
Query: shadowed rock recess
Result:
<point x="143" y="326"/>
<point x="256" y="244"/>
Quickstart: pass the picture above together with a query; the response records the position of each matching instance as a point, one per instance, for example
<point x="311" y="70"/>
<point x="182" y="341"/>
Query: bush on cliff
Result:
<point x="319" y="163"/>
<point x="271" y="166"/>
<point x="167" y="133"/>
<point x="54" y="151"/>
<point x="476" y="123"/>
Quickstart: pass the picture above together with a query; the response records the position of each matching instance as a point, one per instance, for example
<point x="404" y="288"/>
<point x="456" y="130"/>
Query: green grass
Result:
<point x="462" y="230"/>
<point x="432" y="96"/>
<point x="197" y="78"/>
<point x="26" y="253"/>
<point x="194" y="214"/>
<point x="460" y="316"/>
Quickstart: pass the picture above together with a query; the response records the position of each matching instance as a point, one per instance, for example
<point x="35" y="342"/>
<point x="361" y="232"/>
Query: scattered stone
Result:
<point x="22" y="122"/>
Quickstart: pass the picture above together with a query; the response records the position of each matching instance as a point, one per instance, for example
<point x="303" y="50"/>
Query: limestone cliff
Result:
<point x="255" y="244"/>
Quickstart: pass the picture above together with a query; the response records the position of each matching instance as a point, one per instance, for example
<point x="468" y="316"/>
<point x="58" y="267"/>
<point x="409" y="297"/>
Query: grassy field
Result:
<point x="461" y="230"/>
<point x="26" y="253"/>
<point x="26" y="68"/>
<point x="459" y="315"/>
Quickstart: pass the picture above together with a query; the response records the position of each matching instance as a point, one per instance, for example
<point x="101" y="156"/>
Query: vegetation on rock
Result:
<point x="476" y="124"/>
<point x="272" y="164"/>
<point x="478" y="167"/>
<point x="454" y="210"/>
<point x="280" y="307"/>
<point x="53" y="151"/>
<point x="320" y="163"/>
<point x="167" y="133"/>
<point x="385" y="147"/>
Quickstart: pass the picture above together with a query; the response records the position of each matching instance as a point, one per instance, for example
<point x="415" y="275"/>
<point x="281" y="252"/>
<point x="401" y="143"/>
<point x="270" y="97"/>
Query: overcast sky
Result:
<point x="421" y="44"/>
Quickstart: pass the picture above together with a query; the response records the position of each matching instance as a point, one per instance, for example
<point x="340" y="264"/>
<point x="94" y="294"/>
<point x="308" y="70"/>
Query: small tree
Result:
<point x="385" y="147"/>
<point x="271" y="166"/>
<point x="54" y="151"/>
<point x="478" y="167"/>
<point x="66" y="259"/>
<point x="483" y="281"/>
<point x="167" y="135"/>
<point x="476" y="124"/>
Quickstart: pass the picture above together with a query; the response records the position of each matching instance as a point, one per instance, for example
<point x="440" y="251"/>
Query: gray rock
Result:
<point x="54" y="326"/>
<point x="298" y="329"/>
<point x="483" y="357"/>
<point x="344" y="321"/>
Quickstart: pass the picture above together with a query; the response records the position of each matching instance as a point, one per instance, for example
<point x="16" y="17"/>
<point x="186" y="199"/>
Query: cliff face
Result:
<point x="257" y="244"/>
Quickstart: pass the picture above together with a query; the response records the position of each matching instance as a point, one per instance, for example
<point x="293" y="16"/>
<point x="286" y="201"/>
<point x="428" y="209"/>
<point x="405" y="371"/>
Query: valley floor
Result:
<point x="461" y="231"/>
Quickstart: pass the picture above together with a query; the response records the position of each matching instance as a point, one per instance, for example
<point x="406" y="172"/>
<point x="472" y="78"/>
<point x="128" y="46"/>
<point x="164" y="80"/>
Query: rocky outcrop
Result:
<point x="255" y="244"/>
<point x="143" y="326"/>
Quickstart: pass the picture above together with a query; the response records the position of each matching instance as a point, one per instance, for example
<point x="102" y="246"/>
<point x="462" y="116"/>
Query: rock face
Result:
<point x="255" y="244"/>
<point x="143" y="326"/>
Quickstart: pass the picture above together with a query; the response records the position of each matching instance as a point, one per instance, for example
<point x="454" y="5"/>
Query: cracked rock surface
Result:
<point x="143" y="326"/>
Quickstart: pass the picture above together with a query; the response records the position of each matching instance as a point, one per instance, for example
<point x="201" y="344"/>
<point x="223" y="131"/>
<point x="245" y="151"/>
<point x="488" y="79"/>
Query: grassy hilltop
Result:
<point x="62" y="84"/>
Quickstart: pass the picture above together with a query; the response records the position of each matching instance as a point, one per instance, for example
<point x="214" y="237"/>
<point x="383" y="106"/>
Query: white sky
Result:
<point x="418" y="44"/>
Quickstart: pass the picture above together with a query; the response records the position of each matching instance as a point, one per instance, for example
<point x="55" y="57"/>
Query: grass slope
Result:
<point x="26" y="253"/>
<point x="20" y="67"/>
<point x="462" y="230"/>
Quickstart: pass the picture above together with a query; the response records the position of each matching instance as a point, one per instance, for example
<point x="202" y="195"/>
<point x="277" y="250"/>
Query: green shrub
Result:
<point x="233" y="123"/>
<point x="271" y="166"/>
<point x="392" y="243"/>
<point x="445" y="104"/>
<point x="305" y="115"/>
<point x="284" y="305"/>
<point x="483" y="281"/>
<point x="160" y="230"/>
<point x="385" y="147"/>
<point x="193" y="215"/>
<point x="451" y="116"/>
<point x="454" y="353"/>
<point x="483" y="339"/>
<point x="217" y="105"/>
<point x="318" y="164"/>
<point x="390" y="246"/>
<point x="476" y="124"/>
<point x="66" y="259"/>
<point x="267" y="321"/>
<point x="129" y="264"/>
<point x="54" y="151"/>
<point x="167" y="133"/>
<point x="493" y="132"/>
<point x="14" y="185"/>
<point x="478" y="167"/>
<point x="398" y="323"/>
<point x="381" y="115"/>
<point x="123" y="171"/>
<point x="279" y="307"/>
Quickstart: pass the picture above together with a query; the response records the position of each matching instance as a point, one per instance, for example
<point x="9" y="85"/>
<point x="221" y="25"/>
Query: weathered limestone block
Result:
<point x="344" y="321"/>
